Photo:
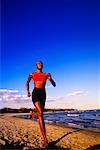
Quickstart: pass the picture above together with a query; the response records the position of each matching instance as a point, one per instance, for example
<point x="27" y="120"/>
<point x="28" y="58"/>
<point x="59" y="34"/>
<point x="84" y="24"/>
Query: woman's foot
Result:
<point x="30" y="115"/>
<point x="45" y="145"/>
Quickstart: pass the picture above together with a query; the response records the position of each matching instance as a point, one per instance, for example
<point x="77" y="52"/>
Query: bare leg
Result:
<point x="41" y="121"/>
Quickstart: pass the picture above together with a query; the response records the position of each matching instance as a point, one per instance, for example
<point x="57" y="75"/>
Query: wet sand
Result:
<point x="19" y="133"/>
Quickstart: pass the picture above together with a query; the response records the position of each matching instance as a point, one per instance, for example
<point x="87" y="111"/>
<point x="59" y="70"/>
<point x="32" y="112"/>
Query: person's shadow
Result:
<point x="52" y="145"/>
<point x="94" y="147"/>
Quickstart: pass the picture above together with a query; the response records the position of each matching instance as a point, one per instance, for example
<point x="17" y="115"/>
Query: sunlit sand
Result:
<point x="24" y="134"/>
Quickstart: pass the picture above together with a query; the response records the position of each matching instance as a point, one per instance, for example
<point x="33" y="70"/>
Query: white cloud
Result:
<point x="72" y="95"/>
<point x="78" y="99"/>
<point x="51" y="100"/>
<point x="49" y="86"/>
<point x="5" y="91"/>
<point x="76" y="93"/>
<point x="13" y="98"/>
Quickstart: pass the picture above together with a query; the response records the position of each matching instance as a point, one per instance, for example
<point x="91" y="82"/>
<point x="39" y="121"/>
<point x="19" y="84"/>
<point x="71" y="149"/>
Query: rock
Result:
<point x="2" y="142"/>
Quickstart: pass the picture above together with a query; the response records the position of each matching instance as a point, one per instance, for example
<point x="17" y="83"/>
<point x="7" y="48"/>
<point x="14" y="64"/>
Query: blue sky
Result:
<point x="61" y="33"/>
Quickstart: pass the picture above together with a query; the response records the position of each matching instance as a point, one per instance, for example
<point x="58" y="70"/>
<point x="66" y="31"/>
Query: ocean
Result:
<point x="83" y="118"/>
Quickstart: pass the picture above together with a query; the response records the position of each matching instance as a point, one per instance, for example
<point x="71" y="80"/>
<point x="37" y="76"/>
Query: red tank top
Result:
<point x="39" y="76"/>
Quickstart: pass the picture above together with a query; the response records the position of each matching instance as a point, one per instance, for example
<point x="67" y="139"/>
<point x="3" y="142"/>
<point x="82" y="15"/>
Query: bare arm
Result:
<point x="27" y="84"/>
<point x="51" y="80"/>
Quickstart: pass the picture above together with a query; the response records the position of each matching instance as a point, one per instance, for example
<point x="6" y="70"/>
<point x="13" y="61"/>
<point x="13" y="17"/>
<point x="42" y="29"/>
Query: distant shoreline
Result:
<point x="26" y="110"/>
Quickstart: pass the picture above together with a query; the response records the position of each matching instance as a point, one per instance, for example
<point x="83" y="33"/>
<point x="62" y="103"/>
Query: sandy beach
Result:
<point x="18" y="133"/>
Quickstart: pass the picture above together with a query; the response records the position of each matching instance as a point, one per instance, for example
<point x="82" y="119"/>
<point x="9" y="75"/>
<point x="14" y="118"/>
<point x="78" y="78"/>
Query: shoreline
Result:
<point x="66" y="125"/>
<point x="20" y="133"/>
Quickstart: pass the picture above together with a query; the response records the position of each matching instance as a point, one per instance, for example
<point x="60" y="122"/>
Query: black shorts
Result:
<point x="39" y="94"/>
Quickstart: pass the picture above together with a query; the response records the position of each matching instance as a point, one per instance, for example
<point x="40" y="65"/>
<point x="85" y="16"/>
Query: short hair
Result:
<point x="39" y="62"/>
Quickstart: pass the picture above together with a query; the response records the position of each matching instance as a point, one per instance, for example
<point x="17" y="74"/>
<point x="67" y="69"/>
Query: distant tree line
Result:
<point x="26" y="110"/>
